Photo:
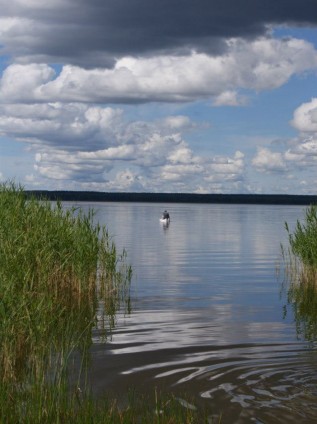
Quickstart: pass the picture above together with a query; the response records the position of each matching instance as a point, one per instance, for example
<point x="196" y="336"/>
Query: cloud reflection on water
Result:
<point x="206" y="310"/>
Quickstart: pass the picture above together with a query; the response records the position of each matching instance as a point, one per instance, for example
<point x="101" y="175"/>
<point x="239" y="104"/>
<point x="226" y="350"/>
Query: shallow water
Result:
<point x="208" y="312"/>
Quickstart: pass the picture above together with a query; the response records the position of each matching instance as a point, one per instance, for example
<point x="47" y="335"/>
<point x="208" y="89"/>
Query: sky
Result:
<point x="186" y="96"/>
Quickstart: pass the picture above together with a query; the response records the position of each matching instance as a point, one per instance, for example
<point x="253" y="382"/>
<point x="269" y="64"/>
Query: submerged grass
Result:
<point x="51" y="406"/>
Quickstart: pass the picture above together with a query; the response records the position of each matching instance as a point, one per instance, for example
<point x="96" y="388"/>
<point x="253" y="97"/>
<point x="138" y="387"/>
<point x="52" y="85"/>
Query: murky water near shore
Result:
<point x="209" y="316"/>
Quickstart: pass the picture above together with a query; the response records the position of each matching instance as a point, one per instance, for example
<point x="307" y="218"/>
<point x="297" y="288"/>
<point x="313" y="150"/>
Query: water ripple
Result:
<point x="261" y="383"/>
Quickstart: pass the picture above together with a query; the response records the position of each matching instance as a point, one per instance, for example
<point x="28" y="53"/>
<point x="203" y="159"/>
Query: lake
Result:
<point x="210" y="315"/>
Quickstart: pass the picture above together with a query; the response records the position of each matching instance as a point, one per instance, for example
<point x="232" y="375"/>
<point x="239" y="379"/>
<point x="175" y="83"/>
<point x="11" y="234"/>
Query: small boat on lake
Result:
<point x="165" y="221"/>
<point x="165" y="218"/>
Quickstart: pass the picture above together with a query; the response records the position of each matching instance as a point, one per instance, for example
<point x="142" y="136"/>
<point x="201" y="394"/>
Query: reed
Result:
<point x="300" y="260"/>
<point x="56" y="266"/>
<point x="303" y="241"/>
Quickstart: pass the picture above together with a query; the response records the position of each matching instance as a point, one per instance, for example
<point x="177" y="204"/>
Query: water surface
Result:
<point x="208" y="312"/>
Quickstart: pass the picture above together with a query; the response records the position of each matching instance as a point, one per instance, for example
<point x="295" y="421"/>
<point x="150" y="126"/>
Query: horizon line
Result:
<point x="244" y="198"/>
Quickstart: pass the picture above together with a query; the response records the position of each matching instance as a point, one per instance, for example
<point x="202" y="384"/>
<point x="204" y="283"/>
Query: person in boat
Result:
<point x="166" y="215"/>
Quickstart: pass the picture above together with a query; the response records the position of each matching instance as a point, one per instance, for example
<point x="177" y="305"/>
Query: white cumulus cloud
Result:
<point x="261" y="64"/>
<point x="305" y="117"/>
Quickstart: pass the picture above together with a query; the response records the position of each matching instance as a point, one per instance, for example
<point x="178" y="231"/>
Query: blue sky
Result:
<point x="202" y="96"/>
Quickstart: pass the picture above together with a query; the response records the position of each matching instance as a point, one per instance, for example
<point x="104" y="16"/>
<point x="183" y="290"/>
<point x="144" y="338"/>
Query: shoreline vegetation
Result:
<point x="301" y="274"/>
<point x="94" y="196"/>
<point x="61" y="277"/>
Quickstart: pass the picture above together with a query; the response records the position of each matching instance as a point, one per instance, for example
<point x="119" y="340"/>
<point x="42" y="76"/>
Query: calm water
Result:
<point x="208" y="312"/>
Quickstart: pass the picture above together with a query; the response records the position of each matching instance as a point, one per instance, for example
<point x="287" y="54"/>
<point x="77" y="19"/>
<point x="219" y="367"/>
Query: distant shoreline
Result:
<point x="94" y="196"/>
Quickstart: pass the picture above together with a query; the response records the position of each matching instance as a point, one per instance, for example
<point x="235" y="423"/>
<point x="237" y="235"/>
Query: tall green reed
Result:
<point x="56" y="266"/>
<point x="303" y="241"/>
<point x="300" y="259"/>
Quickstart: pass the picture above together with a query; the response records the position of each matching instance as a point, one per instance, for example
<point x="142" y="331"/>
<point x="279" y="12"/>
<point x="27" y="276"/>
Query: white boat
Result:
<point x="165" y="221"/>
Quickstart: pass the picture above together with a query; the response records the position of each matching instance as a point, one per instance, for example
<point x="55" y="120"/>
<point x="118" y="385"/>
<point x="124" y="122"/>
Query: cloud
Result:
<point x="305" y="117"/>
<point x="297" y="158"/>
<point x="224" y="169"/>
<point x="96" y="147"/>
<point x="268" y="161"/>
<point x="99" y="31"/>
<point x="300" y="156"/>
<point x="178" y="122"/>
<point x="303" y="149"/>
<point x="229" y="98"/>
<point x="300" y="153"/>
<point x="72" y="126"/>
<point x="19" y="82"/>
<point x="303" y="154"/>
<point x="70" y="61"/>
<point x="204" y="174"/>
<point x="262" y="64"/>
